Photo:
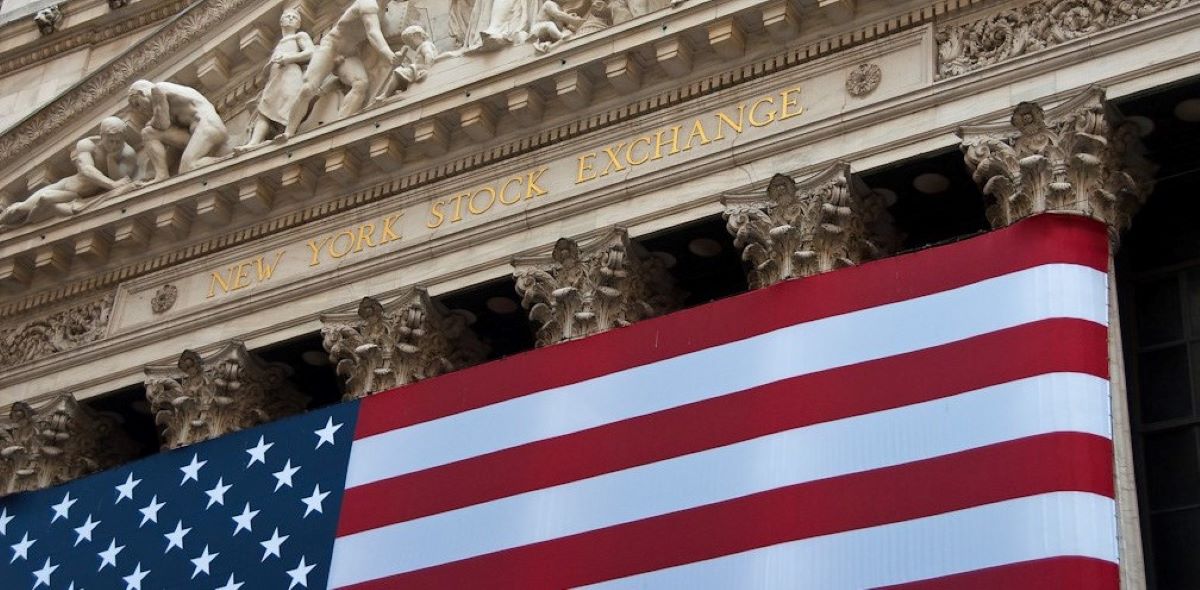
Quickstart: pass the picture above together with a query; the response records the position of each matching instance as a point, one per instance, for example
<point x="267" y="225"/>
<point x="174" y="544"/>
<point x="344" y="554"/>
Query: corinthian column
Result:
<point x="57" y="440"/>
<point x="410" y="338"/>
<point x="829" y="221"/>
<point x="1079" y="157"/>
<point x="202" y="398"/>
<point x="580" y="290"/>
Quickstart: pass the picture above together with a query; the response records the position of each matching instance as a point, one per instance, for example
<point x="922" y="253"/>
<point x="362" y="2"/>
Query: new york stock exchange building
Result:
<point x="539" y="294"/>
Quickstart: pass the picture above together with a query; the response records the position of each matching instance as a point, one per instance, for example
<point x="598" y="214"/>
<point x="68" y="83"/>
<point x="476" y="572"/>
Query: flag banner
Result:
<point x="935" y="420"/>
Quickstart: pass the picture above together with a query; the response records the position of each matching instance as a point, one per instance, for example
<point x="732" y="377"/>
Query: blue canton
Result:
<point x="253" y="510"/>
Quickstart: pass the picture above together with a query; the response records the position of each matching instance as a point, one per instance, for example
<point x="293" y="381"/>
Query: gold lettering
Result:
<point x="316" y="250"/>
<point x="241" y="279"/>
<point x="697" y="131"/>
<point x="629" y="152"/>
<point x="659" y="143"/>
<point x="490" y="202"/>
<point x="786" y="102"/>
<point x="436" y="212"/>
<point x="531" y="186"/>
<point x="267" y="270"/>
<point x="518" y="180"/>
<point x="333" y="245"/>
<point x="723" y="119"/>
<point x="366" y="234"/>
<point x="458" y="199"/>
<point x="754" y="121"/>
<point x="585" y="165"/>
<point x="217" y="280"/>
<point x="614" y="162"/>
<point x="389" y="230"/>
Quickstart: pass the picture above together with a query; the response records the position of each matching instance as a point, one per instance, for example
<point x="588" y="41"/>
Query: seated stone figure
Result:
<point x="104" y="163"/>
<point x="179" y="117"/>
<point x="418" y="55"/>
<point x="553" y="25"/>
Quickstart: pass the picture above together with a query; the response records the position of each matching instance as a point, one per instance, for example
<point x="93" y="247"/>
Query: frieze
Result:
<point x="64" y="330"/>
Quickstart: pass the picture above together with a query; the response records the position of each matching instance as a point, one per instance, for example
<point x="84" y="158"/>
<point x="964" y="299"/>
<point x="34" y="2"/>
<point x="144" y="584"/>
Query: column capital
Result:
<point x="1079" y="157"/>
<point x="409" y="338"/>
<point x="203" y="397"/>
<point x="56" y="439"/>
<point x="797" y="229"/>
<point x="583" y="289"/>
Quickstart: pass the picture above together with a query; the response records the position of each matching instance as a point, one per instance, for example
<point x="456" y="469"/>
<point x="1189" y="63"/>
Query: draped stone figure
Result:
<point x="460" y="20"/>
<point x="178" y="117"/>
<point x="103" y="163"/>
<point x="284" y="80"/>
<point x="499" y="23"/>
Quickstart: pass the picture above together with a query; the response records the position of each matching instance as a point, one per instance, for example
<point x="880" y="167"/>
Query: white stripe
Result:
<point x="1051" y="525"/>
<point x="1050" y="291"/>
<point x="1043" y="404"/>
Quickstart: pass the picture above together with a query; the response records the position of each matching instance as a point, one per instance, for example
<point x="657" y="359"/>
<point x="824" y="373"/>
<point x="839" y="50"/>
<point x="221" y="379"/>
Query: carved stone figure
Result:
<point x="48" y="19"/>
<point x="1078" y="157"/>
<point x="103" y="163"/>
<point x="285" y="77"/>
<point x="460" y="19"/>
<point x="409" y="339"/>
<point x="340" y="55"/>
<point x="579" y="291"/>
<point x="829" y="221"/>
<point x="418" y="55"/>
<point x="553" y="25"/>
<point x="178" y="117"/>
<point x="57" y="332"/>
<point x="206" y="397"/>
<point x="496" y="24"/>
<point x="55" y="441"/>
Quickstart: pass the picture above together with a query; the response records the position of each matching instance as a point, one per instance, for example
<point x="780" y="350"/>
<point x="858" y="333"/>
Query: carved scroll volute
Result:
<point x="1079" y="157"/>
<point x="410" y="338"/>
<point x="579" y="291"/>
<point x="206" y="397"/>
<point x="56" y="440"/>
<point x="826" y="222"/>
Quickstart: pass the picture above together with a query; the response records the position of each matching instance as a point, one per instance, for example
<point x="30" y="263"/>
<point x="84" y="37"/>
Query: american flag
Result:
<point x="935" y="420"/>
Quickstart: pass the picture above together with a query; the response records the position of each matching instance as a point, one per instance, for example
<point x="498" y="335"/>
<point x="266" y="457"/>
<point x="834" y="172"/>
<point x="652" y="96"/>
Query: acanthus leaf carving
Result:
<point x="408" y="339"/>
<point x="829" y="221"/>
<point x="202" y="398"/>
<point x="56" y="440"/>
<point x="58" y="332"/>
<point x="579" y="290"/>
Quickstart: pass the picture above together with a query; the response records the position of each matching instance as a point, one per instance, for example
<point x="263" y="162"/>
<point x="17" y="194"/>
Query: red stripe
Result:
<point x="1076" y="573"/>
<point x="1060" y="345"/>
<point x="1016" y="469"/>
<point x="1045" y="239"/>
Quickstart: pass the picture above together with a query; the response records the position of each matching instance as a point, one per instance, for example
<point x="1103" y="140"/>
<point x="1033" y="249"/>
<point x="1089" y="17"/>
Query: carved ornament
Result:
<point x="48" y="19"/>
<point x="205" y="397"/>
<point x="579" y="290"/>
<point x="1079" y="157"/>
<point x="55" y="441"/>
<point x="863" y="79"/>
<point x="58" y="332"/>
<point x="164" y="298"/>
<point x="793" y="230"/>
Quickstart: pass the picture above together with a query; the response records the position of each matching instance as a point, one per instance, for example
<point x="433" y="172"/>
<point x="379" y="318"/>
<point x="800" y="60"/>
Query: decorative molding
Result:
<point x="1079" y="157"/>
<point x="61" y="331"/>
<point x="863" y="79"/>
<point x="164" y="299"/>
<point x="55" y="441"/>
<point x="48" y="19"/>
<point x="230" y="390"/>
<point x="794" y="230"/>
<point x="578" y="291"/>
<point x="967" y="46"/>
<point x="410" y="338"/>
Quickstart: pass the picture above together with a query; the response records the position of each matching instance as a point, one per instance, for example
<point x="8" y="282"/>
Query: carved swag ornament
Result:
<point x="578" y="291"/>
<point x="411" y="338"/>
<point x="829" y="221"/>
<point x="231" y="390"/>
<point x="1079" y="157"/>
<point x="59" y="332"/>
<point x="56" y="441"/>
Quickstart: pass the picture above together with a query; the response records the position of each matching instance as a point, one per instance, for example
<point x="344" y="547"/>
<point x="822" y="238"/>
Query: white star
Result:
<point x="175" y="538"/>
<point x="325" y="435"/>
<point x="150" y="513"/>
<point x="73" y="586"/>
<point x="243" y="520"/>
<point x="85" y="531"/>
<point x="217" y="494"/>
<point x="285" y="476"/>
<point x="231" y="585"/>
<point x="125" y="490"/>
<point x="192" y="470"/>
<point x="22" y="549"/>
<point x="4" y="520"/>
<point x="203" y="562"/>
<point x="271" y="546"/>
<point x="43" y="575"/>
<point x="300" y="574"/>
<point x="134" y="580"/>
<point x="63" y="509"/>
<point x="109" y="556"/>
<point x="258" y="453"/>
<point x="314" y="501"/>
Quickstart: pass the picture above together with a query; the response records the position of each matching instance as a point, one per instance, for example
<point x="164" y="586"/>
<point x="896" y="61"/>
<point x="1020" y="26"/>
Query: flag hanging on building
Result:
<point x="935" y="420"/>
